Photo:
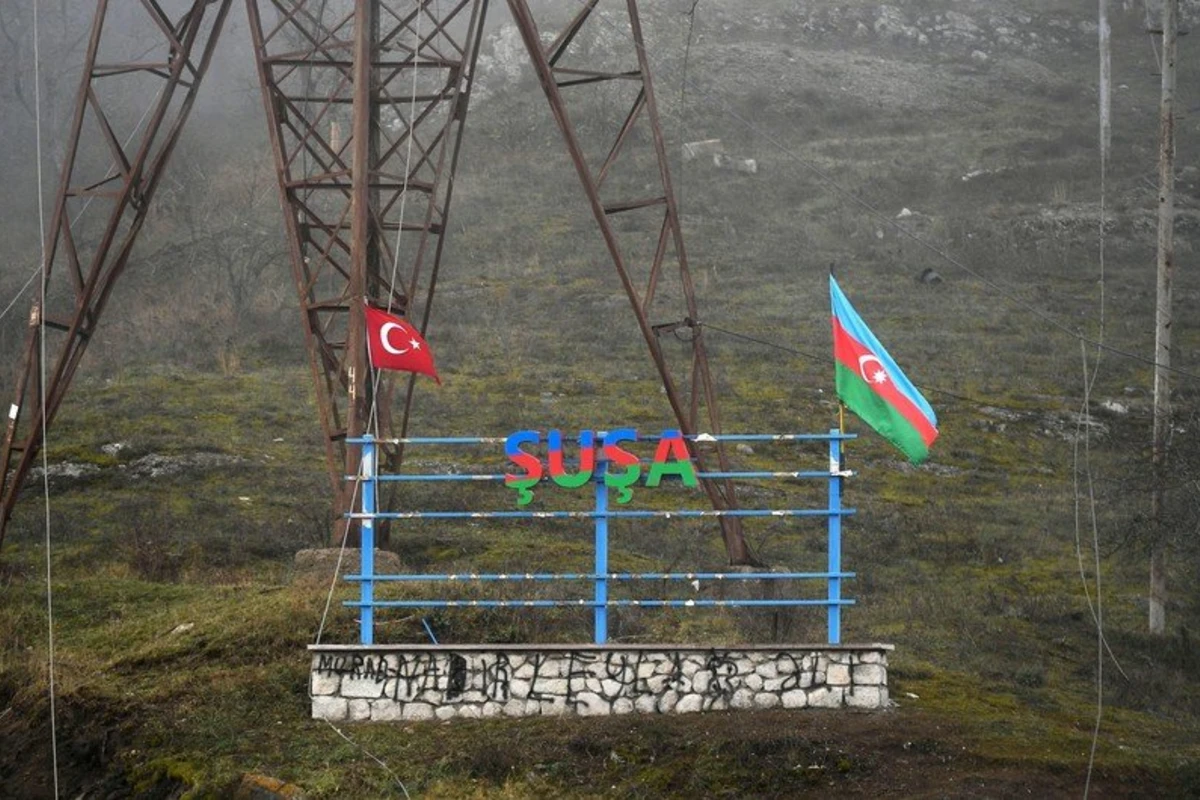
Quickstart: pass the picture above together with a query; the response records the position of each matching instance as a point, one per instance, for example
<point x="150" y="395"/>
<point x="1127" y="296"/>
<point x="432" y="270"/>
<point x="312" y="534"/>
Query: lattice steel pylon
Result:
<point x="84" y="260"/>
<point x="366" y="102"/>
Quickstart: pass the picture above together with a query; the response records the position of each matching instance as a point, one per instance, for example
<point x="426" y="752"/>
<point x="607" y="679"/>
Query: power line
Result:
<point x="1105" y="91"/>
<point x="21" y="292"/>
<point x="79" y="214"/>
<point x="830" y="360"/>
<point x="41" y="205"/>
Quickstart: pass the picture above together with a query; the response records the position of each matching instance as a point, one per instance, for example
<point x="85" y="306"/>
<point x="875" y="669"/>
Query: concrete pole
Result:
<point x="1162" y="316"/>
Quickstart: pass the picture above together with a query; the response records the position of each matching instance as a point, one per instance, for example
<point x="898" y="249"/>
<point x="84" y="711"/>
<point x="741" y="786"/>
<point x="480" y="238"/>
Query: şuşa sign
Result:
<point x="621" y="471"/>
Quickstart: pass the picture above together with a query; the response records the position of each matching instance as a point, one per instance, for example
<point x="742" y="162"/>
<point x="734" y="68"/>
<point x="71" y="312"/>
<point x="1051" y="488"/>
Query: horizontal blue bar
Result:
<point x="434" y="440"/>
<point x="461" y="476"/>
<point x="705" y="603"/>
<point x="700" y="437"/>
<point x="686" y="514"/>
<point x="614" y="576"/>
<point x="806" y="474"/>
<point x="472" y="476"/>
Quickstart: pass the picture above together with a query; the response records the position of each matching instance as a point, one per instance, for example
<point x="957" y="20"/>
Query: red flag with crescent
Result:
<point x="393" y="343"/>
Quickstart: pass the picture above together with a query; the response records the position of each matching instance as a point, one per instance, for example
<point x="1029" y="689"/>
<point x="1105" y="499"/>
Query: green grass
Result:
<point x="968" y="565"/>
<point x="971" y="574"/>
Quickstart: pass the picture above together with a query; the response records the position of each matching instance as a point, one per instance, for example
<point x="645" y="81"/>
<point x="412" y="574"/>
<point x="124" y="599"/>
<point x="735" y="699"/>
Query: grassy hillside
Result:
<point x="181" y="621"/>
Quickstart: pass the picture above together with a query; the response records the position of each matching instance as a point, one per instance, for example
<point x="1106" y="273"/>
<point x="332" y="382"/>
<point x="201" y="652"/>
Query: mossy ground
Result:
<point x="192" y="675"/>
<point x="181" y="626"/>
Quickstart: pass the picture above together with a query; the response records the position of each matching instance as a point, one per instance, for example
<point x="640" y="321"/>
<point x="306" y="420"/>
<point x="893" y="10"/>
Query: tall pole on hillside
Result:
<point x="1162" y="316"/>
<point x="364" y="259"/>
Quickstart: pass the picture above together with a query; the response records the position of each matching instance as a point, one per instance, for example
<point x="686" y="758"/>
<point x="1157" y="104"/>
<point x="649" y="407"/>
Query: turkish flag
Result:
<point x="393" y="343"/>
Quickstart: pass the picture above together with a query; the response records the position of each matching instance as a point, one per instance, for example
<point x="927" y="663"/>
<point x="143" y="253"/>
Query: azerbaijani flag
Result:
<point x="872" y="386"/>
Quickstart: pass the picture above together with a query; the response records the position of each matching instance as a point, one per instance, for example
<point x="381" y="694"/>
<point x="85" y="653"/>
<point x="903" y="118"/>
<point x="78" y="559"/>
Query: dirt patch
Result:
<point x="90" y="734"/>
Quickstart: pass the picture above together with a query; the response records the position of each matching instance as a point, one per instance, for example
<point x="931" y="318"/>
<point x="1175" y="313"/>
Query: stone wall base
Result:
<point x="415" y="682"/>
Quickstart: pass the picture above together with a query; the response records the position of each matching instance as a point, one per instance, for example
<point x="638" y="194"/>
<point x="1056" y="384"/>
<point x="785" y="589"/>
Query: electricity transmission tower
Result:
<point x="366" y="102"/>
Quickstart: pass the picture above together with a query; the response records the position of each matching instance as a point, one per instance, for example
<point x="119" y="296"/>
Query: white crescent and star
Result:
<point x="385" y="339"/>
<point x="876" y="375"/>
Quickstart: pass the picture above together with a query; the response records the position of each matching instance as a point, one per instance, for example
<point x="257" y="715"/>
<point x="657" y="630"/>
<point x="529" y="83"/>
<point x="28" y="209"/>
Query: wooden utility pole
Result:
<point x="1162" y="316"/>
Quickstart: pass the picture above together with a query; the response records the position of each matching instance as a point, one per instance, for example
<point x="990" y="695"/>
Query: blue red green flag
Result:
<point x="873" y="387"/>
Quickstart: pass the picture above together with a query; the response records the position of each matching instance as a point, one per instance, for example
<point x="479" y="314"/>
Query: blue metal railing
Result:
<point x="600" y="577"/>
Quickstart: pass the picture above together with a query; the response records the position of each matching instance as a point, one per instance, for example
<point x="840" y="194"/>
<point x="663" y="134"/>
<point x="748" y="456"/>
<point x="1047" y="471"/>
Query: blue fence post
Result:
<point x="368" y="474"/>
<point x="600" y="594"/>
<point x="835" y="537"/>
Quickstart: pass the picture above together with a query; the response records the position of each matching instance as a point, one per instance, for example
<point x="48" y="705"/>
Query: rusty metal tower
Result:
<point x="366" y="102"/>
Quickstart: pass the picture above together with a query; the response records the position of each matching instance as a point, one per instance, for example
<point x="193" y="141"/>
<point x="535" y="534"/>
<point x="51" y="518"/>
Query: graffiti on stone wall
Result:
<point x="580" y="681"/>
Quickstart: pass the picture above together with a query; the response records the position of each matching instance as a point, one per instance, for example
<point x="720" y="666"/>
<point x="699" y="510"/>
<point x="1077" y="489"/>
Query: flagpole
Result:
<point x="841" y="417"/>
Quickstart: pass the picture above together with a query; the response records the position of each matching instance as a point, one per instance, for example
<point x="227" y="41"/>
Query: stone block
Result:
<point x="667" y="701"/>
<point x="689" y="704"/>
<point x="545" y="668"/>
<point x="445" y="712"/>
<point x="864" y="697"/>
<point x="870" y="657"/>
<point x="838" y="675"/>
<point x="492" y="709"/>
<point x="385" y="710"/>
<point x="767" y="669"/>
<point x="323" y="683"/>
<point x="417" y="711"/>
<point x="691" y="665"/>
<point x="514" y="708"/>
<point x="646" y="704"/>
<point x="742" y="698"/>
<point x="590" y="704"/>
<point x="368" y="688"/>
<point x="358" y="710"/>
<point x="519" y="688"/>
<point x="700" y="682"/>
<point x="753" y="682"/>
<point x="470" y="711"/>
<point x="869" y="675"/>
<point x="610" y="688"/>
<point x="333" y="709"/>
<point x="825" y="697"/>
<point x="796" y="698"/>
<point x="622" y="705"/>
<point x="766" y="700"/>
